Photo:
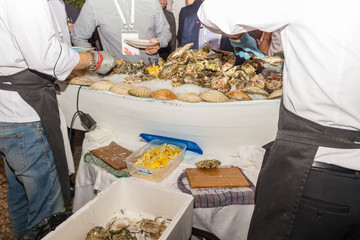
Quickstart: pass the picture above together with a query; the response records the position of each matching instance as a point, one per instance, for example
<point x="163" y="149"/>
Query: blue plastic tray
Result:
<point x="190" y="145"/>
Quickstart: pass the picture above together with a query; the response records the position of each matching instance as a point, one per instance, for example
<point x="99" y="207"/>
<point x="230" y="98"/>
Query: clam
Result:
<point x="252" y="89"/>
<point x="214" y="96"/>
<point x="190" y="97"/>
<point x="275" y="94"/>
<point x="121" y="88"/>
<point x="164" y="94"/>
<point x="238" y="95"/>
<point x="85" y="81"/>
<point x="102" y="85"/>
<point x="140" y="91"/>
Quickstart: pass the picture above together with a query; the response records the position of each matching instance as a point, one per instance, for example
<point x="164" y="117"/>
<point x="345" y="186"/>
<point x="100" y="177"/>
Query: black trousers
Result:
<point x="329" y="208"/>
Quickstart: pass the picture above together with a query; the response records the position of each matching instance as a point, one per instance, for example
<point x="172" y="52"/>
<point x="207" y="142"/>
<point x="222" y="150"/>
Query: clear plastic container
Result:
<point x="153" y="174"/>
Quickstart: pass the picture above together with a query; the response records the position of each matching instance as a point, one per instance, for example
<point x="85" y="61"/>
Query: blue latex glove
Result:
<point x="248" y="44"/>
<point x="104" y="62"/>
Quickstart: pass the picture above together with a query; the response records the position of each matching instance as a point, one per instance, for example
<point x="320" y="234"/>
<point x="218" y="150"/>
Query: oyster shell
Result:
<point x="140" y="91"/>
<point x="118" y="224"/>
<point x="164" y="94"/>
<point x="206" y="164"/>
<point x="149" y="226"/>
<point x="275" y="94"/>
<point x="121" y="88"/>
<point x="190" y="97"/>
<point x="85" y="81"/>
<point x="124" y="234"/>
<point x="97" y="233"/>
<point x="214" y="96"/>
<point x="102" y="85"/>
<point x="238" y="95"/>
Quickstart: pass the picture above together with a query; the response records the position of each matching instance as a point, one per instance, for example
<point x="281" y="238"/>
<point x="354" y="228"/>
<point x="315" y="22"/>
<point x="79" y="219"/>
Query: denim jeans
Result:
<point x="34" y="190"/>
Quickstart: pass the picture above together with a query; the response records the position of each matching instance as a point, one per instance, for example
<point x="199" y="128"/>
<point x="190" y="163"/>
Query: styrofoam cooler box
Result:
<point x="126" y="194"/>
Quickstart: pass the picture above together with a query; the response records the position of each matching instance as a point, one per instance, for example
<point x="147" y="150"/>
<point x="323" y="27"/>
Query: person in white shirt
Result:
<point x="31" y="142"/>
<point x="308" y="186"/>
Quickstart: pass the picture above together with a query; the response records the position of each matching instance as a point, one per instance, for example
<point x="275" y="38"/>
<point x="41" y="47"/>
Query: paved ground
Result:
<point x="5" y="229"/>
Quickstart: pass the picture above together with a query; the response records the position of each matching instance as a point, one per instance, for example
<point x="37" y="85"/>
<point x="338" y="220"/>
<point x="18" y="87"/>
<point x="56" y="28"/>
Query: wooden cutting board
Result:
<point x="216" y="177"/>
<point x="114" y="155"/>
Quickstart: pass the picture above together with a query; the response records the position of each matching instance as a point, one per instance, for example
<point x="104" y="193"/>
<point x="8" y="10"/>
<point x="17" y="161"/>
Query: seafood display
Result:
<point x="213" y="70"/>
<point x="124" y="228"/>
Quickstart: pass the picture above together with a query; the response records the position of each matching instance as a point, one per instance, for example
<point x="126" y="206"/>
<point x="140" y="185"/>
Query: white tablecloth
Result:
<point x="228" y="223"/>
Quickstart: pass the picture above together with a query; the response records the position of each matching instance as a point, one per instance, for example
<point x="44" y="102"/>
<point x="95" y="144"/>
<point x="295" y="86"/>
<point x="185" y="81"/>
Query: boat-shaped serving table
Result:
<point x="216" y="127"/>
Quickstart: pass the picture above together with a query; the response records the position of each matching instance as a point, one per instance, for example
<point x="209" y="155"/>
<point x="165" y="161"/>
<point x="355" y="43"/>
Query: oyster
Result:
<point x="164" y="94"/>
<point x="239" y="95"/>
<point x="102" y="85"/>
<point x="118" y="224"/>
<point x="139" y="78"/>
<point x="214" y="96"/>
<point x="121" y="88"/>
<point x="140" y="91"/>
<point x="179" y="51"/>
<point x="190" y="97"/>
<point x="97" y="233"/>
<point x="206" y="164"/>
<point x="149" y="226"/>
<point x="221" y="83"/>
<point x="124" y="234"/>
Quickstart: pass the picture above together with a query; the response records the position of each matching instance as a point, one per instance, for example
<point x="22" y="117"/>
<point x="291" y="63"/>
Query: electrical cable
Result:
<point x="75" y="114"/>
<point x="57" y="61"/>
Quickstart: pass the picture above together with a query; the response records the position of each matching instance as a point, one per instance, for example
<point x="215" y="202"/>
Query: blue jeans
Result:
<point x="34" y="190"/>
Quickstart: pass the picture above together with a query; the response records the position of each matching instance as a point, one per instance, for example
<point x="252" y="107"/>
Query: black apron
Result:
<point x="38" y="90"/>
<point x="286" y="165"/>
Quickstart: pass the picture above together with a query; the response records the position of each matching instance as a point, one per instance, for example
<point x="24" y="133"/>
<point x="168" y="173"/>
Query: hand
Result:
<point x="245" y="47"/>
<point x="70" y="26"/>
<point x="151" y="50"/>
<point x="104" y="62"/>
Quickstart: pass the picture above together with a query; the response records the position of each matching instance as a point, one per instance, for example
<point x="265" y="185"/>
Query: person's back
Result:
<point x="147" y="20"/>
<point x="315" y="155"/>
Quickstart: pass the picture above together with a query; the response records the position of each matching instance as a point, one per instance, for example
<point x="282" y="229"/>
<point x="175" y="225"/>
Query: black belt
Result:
<point x="334" y="168"/>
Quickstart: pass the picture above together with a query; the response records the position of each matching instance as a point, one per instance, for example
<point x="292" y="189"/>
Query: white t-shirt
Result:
<point x="322" y="67"/>
<point x="28" y="40"/>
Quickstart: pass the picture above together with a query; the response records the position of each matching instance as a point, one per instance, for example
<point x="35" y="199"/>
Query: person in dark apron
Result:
<point x="309" y="182"/>
<point x="31" y="142"/>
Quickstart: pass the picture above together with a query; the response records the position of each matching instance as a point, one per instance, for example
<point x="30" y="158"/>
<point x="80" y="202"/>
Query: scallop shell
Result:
<point x="239" y="95"/>
<point x="164" y="94"/>
<point x="190" y="97"/>
<point x="140" y="91"/>
<point x="121" y="88"/>
<point x="275" y="94"/>
<point x="251" y="89"/>
<point x="214" y="96"/>
<point x="102" y="85"/>
<point x="86" y="81"/>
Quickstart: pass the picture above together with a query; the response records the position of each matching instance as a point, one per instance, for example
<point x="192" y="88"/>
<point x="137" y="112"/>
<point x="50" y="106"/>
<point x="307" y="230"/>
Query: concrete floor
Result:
<point x="5" y="228"/>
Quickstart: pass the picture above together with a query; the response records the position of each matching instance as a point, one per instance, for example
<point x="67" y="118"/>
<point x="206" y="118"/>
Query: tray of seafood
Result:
<point x="156" y="160"/>
<point x="130" y="209"/>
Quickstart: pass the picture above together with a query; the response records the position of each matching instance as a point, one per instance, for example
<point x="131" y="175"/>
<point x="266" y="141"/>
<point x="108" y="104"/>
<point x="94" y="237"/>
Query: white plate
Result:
<point x="140" y="43"/>
<point x="83" y="49"/>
